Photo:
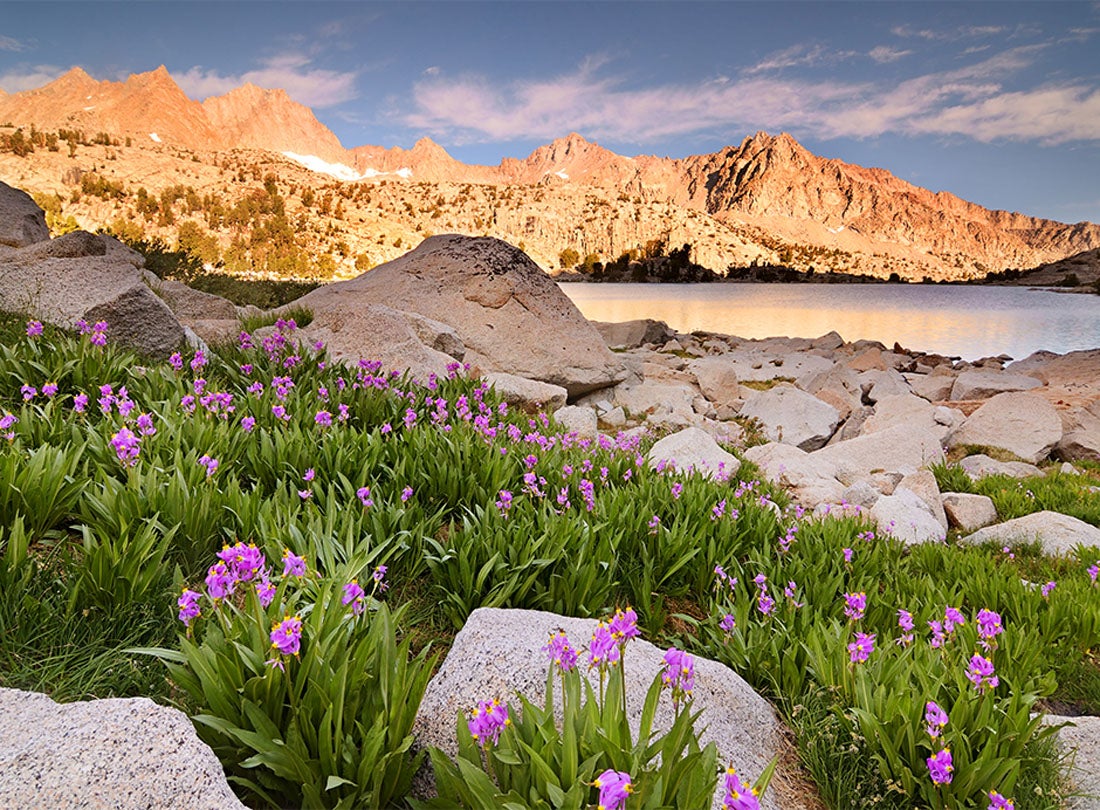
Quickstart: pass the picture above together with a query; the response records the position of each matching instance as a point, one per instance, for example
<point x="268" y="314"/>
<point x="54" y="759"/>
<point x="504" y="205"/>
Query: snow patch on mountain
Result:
<point x="154" y="137"/>
<point x="316" y="164"/>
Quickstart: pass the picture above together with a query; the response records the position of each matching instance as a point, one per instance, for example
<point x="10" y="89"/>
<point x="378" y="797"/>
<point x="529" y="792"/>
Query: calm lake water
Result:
<point x="970" y="322"/>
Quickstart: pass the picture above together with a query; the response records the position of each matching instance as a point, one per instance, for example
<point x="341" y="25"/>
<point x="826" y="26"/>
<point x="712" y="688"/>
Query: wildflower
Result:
<point x="293" y="565"/>
<point x="220" y="581"/>
<point x="561" y="653"/>
<point x="1047" y="588"/>
<point x="279" y="412"/>
<point x="189" y="606"/>
<point x="905" y="623"/>
<point x="211" y="465"/>
<point x="728" y="623"/>
<point x="760" y="580"/>
<point x="176" y="361"/>
<point x="286" y="636"/>
<point x="1008" y="552"/>
<point x="145" y="424"/>
<point x="847" y="555"/>
<point x="6" y="421"/>
<point x="247" y="424"/>
<point x="246" y="369"/>
<point x="353" y="595"/>
<point x="860" y="649"/>
<point x="654" y="524"/>
<point x="406" y="493"/>
<point x="940" y="767"/>
<point x="379" y="573"/>
<point x="29" y="392"/>
<point x="980" y="673"/>
<point x="952" y="618"/>
<point x="363" y="494"/>
<point x="718" y="510"/>
<point x="309" y="475"/>
<point x="789" y="592"/>
<point x="410" y="418"/>
<point x="989" y="627"/>
<point x="265" y="591"/>
<point x="323" y="419"/>
<point x="677" y="488"/>
<point x="739" y="795"/>
<point x="1094" y="570"/>
<point x="602" y="650"/>
<point x="80" y="403"/>
<point x="244" y="561"/>
<point x="615" y="788"/>
<point x="187" y="403"/>
<point x="855" y="604"/>
<point x="199" y="360"/>
<point x="999" y="802"/>
<point x="305" y="494"/>
<point x="935" y="719"/>
<point x="127" y="446"/>
<point x="49" y="389"/>
<point x="764" y="603"/>
<point x="34" y="328"/>
<point x="487" y="720"/>
<point x="624" y="625"/>
<point x="679" y="673"/>
<point x="98" y="335"/>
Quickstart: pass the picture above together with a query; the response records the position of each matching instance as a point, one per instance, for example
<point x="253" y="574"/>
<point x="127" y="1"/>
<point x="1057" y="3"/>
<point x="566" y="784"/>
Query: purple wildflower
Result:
<point x="504" y="501"/>
<point x="323" y="419"/>
<point x="860" y="649"/>
<point x="615" y="788"/>
<point x="211" y="465"/>
<point x="940" y="767"/>
<point x="80" y="403"/>
<point x="127" y="446"/>
<point x="286" y="636"/>
<point x="49" y="389"/>
<point x="487" y="720"/>
<point x="905" y="622"/>
<point x="363" y="494"/>
<point x="999" y="802"/>
<point x="265" y="591"/>
<point x="739" y="795"/>
<point x="989" y="627"/>
<point x="176" y="361"/>
<point x="406" y="493"/>
<point x="353" y="595"/>
<point x="34" y="328"/>
<point x="728" y="623"/>
<point x="935" y="719"/>
<point x="1047" y="588"/>
<point x="602" y="650"/>
<point x="248" y="423"/>
<point x="189" y="606"/>
<point x="855" y="604"/>
<point x="561" y="653"/>
<point x="679" y="674"/>
<point x="980" y="672"/>
<point x="220" y="581"/>
<point x="293" y="565"/>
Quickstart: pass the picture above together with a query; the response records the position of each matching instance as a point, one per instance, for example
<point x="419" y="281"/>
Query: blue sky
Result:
<point x="997" y="102"/>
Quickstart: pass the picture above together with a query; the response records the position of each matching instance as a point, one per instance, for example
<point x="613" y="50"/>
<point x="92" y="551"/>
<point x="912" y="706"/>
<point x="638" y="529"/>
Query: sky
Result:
<point x="997" y="102"/>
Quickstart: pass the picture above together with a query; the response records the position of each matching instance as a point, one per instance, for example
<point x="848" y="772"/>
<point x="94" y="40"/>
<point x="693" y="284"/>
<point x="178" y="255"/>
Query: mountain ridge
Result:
<point x="769" y="190"/>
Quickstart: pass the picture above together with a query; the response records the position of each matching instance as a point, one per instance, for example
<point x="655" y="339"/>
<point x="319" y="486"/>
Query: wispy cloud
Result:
<point x="799" y="56"/>
<point x="11" y="44"/>
<point x="970" y="101"/>
<point x="294" y="72"/>
<point x="947" y="35"/>
<point x="28" y="77"/>
<point x="884" y="54"/>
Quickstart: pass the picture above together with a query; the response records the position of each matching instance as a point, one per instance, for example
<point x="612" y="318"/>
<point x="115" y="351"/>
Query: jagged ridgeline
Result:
<point x="251" y="181"/>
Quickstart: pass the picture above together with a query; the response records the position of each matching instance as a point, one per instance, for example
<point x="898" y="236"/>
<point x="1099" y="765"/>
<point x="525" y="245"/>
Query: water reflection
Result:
<point x="970" y="322"/>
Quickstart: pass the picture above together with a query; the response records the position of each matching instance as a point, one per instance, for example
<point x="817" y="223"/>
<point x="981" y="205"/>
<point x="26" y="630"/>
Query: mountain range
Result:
<point x="766" y="200"/>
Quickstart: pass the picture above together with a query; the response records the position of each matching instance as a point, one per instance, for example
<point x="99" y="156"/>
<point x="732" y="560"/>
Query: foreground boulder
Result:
<point x="1024" y="424"/>
<point x="791" y="416"/>
<point x="498" y="654"/>
<point x="507" y="312"/>
<point x="81" y="276"/>
<point x="1080" y="738"/>
<point x="694" y="449"/>
<point x="906" y="517"/>
<point x="117" y="753"/>
<point x="1057" y="534"/>
<point x="22" y="222"/>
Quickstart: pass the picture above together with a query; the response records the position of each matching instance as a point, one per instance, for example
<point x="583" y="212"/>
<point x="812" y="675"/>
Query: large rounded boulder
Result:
<point x="507" y="312"/>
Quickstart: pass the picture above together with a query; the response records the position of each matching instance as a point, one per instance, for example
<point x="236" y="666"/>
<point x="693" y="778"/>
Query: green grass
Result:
<point x="302" y="316"/>
<point x="110" y="546"/>
<point x="766" y="385"/>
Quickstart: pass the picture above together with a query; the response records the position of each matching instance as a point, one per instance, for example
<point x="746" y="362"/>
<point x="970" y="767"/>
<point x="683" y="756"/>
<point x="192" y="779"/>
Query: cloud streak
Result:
<point x="294" y="72"/>
<point x="11" y="44"/>
<point x="28" y="77"/>
<point x="970" y="101"/>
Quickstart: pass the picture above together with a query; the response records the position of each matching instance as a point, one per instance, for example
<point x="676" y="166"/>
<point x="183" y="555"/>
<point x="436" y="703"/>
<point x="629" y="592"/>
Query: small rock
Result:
<point x="986" y="383"/>
<point x="981" y="465"/>
<point x="1057" y="534"/>
<point x="528" y="394"/>
<point x="614" y="418"/>
<point x="578" y="420"/>
<point x="923" y="484"/>
<point x="906" y="517"/>
<point x="792" y="416"/>
<point x="693" y="449"/>
<point x="969" y="512"/>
